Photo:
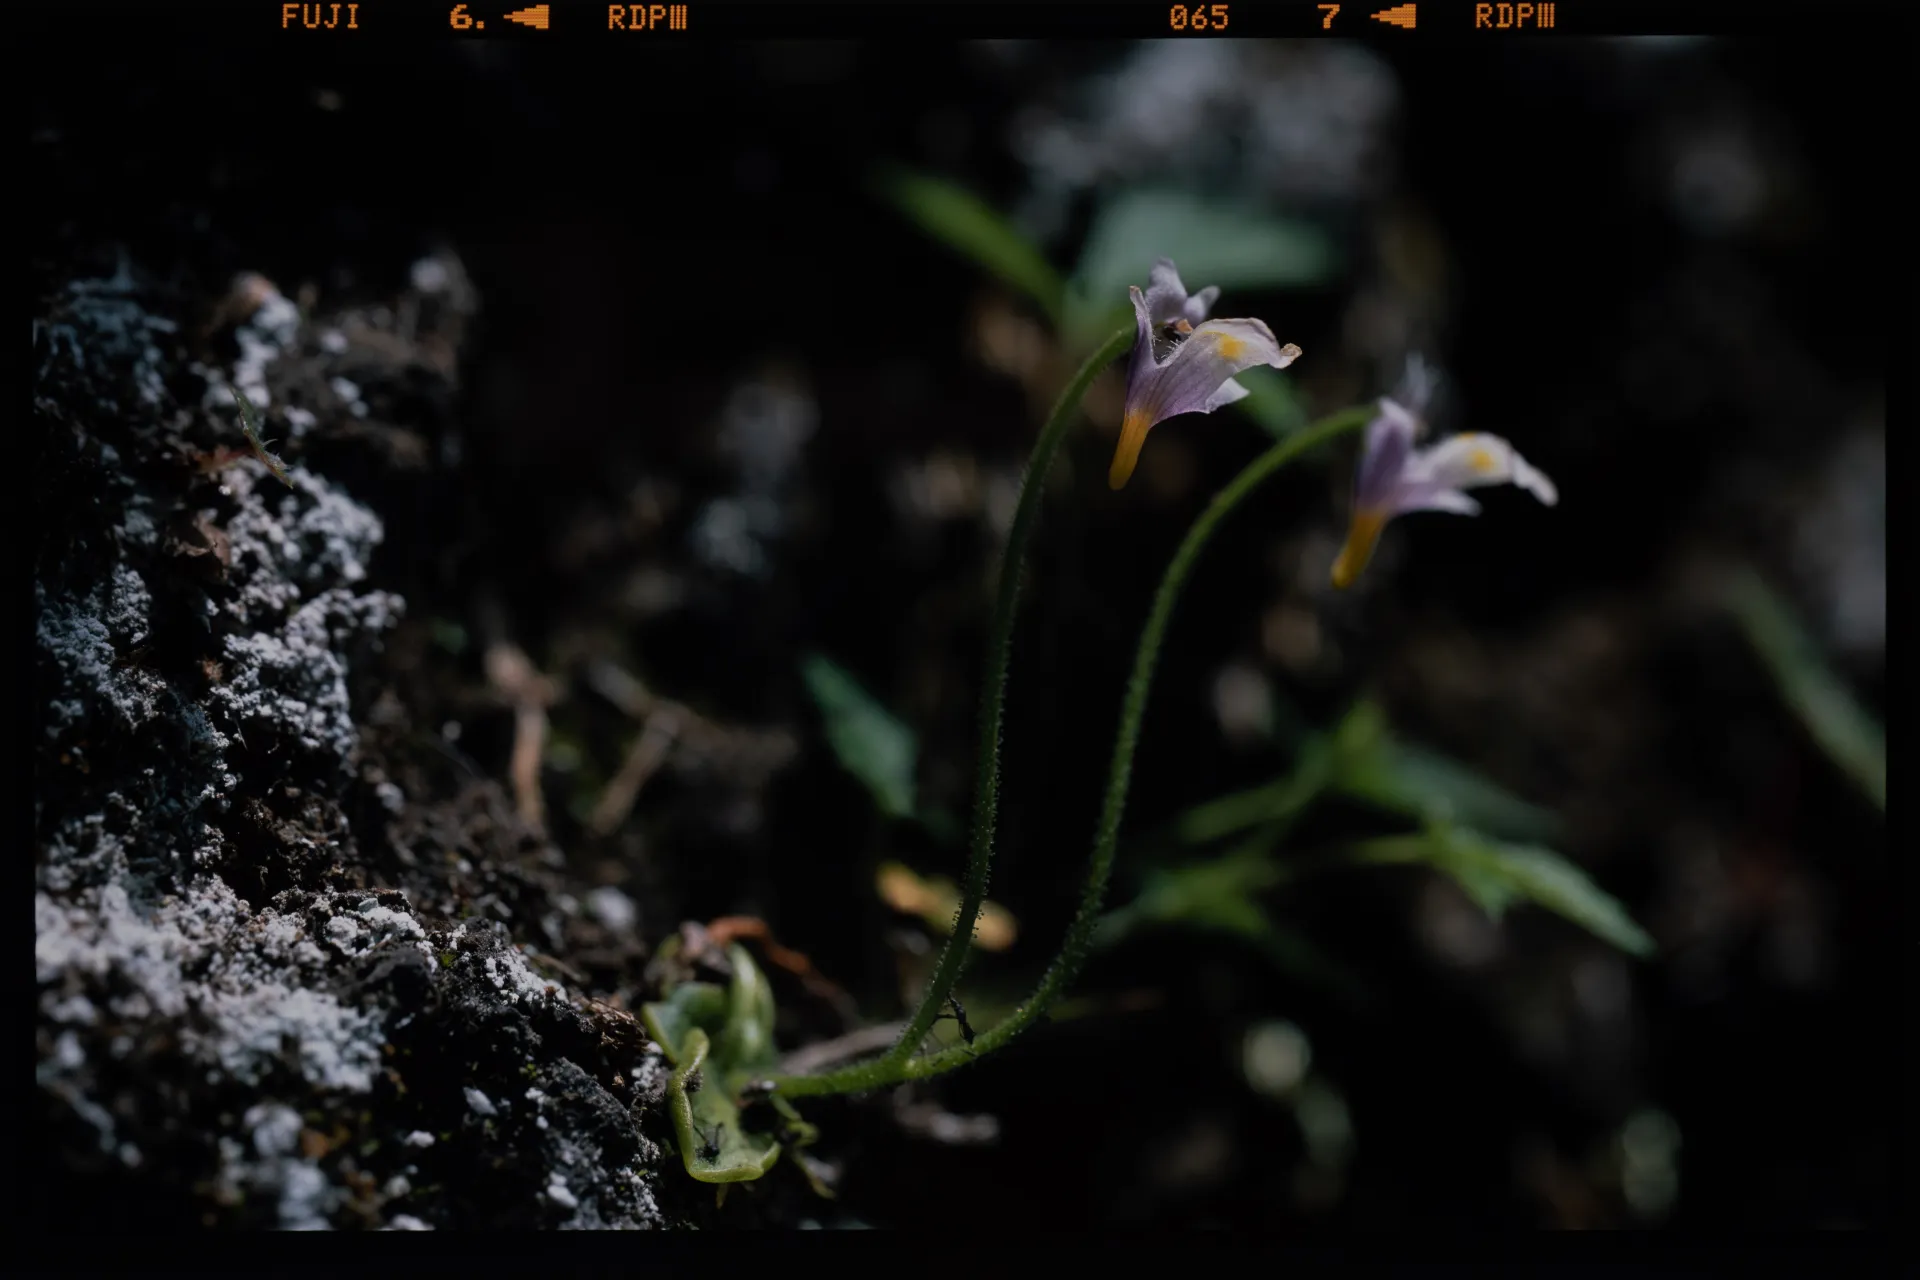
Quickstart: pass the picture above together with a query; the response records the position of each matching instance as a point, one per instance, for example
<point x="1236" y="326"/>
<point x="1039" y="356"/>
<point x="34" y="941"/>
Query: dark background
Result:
<point x="650" y="228"/>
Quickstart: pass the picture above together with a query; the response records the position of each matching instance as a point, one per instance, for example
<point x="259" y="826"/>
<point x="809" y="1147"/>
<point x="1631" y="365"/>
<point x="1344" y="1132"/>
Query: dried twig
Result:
<point x="644" y="758"/>
<point x="614" y="684"/>
<point x="825" y="1053"/>
<point x="514" y="677"/>
<point x="669" y="727"/>
<point x="727" y="928"/>
<point x="935" y="1123"/>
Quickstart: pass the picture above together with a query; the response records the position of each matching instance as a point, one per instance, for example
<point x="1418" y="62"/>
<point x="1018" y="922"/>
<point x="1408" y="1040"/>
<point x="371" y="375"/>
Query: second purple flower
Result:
<point x="1397" y="475"/>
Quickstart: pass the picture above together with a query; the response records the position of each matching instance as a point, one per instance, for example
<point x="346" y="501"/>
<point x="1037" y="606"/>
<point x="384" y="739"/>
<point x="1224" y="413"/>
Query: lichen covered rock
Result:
<point x="277" y="971"/>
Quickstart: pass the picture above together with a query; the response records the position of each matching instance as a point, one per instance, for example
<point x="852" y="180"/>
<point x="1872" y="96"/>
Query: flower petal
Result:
<point x="1142" y="368"/>
<point x="1166" y="296"/>
<point x="1534" y="481"/>
<point x="1201" y="303"/>
<point x="1143" y="327"/>
<point x="1362" y="535"/>
<point x="1229" y="392"/>
<point x="1192" y="380"/>
<point x="1240" y="344"/>
<point x="1474" y="459"/>
<point x="1437" y="500"/>
<point x="1383" y="460"/>
<point x="1416" y="386"/>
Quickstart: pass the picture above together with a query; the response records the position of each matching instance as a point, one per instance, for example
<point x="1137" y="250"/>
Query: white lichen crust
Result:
<point x="222" y="1008"/>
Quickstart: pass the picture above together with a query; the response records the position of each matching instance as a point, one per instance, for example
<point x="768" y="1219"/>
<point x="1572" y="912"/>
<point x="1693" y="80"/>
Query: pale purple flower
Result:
<point x="1396" y="476"/>
<point x="1183" y="362"/>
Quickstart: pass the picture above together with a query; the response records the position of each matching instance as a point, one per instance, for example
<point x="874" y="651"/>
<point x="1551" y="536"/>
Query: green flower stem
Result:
<point x="986" y="797"/>
<point x="895" y="1068"/>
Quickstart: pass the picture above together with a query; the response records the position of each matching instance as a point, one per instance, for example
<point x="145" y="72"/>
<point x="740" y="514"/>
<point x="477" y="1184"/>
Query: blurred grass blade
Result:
<point x="1496" y="875"/>
<point x="1410" y="780"/>
<point x="1838" y="723"/>
<point x="964" y="222"/>
<point x="870" y="742"/>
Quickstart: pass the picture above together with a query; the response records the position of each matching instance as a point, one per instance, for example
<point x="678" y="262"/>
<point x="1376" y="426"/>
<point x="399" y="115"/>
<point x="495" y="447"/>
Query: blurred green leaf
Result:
<point x="1406" y="779"/>
<point x="1272" y="403"/>
<point x="449" y="635"/>
<point x="870" y="742"/>
<point x="1212" y="242"/>
<point x="1221" y="895"/>
<point x="1496" y="875"/>
<point x="962" y="221"/>
<point x="1361" y="760"/>
<point x="1320" y="762"/>
<point x="1278" y="801"/>
<point x="1852" y="739"/>
<point x="1218" y="892"/>
<point x="1360" y="733"/>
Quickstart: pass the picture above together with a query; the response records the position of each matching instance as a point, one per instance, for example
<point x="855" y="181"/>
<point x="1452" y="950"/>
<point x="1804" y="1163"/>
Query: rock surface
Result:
<point x="292" y="971"/>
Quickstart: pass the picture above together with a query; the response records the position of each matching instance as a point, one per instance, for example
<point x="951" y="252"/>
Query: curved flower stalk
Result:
<point x="899" y="1063"/>
<point x="986" y="797"/>
<point x="882" y="1072"/>
<point x="1182" y="361"/>
<point x="1396" y="476"/>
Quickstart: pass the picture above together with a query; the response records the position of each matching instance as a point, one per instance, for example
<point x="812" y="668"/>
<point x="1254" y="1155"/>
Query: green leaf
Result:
<point x="688" y="1007"/>
<point x="1211" y="242"/>
<point x="1221" y="895"/>
<point x="713" y="1145"/>
<point x="1320" y="762"/>
<point x="871" y="744"/>
<point x="1272" y="401"/>
<point x="1851" y="738"/>
<point x="720" y="1039"/>
<point x="1218" y="892"/>
<point x="964" y="222"/>
<point x="1496" y="875"/>
<point x="1278" y="801"/>
<point x="1406" y="779"/>
<point x="1361" y="760"/>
